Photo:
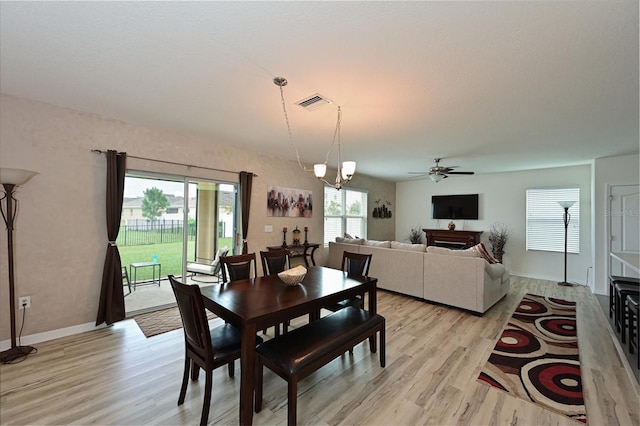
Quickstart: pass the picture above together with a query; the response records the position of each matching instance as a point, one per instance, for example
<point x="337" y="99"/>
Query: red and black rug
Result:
<point x="536" y="357"/>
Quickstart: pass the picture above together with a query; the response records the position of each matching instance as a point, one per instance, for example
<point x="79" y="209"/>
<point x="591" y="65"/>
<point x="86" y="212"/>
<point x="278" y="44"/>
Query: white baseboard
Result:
<point x="53" y="334"/>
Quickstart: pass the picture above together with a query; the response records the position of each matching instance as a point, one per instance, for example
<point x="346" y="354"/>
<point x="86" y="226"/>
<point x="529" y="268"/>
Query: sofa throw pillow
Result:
<point x="347" y="235"/>
<point x="407" y="246"/>
<point x="373" y="243"/>
<point x="482" y="249"/>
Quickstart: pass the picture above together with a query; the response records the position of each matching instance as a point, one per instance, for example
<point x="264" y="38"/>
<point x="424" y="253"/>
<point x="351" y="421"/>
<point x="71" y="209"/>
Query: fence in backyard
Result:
<point x="145" y="232"/>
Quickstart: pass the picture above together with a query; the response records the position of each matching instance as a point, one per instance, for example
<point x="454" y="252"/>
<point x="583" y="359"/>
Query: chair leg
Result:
<point x="383" y="350"/>
<point x="292" y="401"/>
<point x="195" y="371"/>
<point x="207" y="398"/>
<point x="258" y="388"/>
<point x="616" y="316"/>
<point x="612" y="292"/>
<point x="232" y="368"/>
<point x="185" y="380"/>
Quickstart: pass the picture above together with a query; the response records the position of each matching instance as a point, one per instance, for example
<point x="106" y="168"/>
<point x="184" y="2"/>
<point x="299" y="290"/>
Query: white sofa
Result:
<point x="458" y="278"/>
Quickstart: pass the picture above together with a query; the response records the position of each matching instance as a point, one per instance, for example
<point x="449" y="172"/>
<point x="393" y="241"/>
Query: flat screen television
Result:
<point x="455" y="206"/>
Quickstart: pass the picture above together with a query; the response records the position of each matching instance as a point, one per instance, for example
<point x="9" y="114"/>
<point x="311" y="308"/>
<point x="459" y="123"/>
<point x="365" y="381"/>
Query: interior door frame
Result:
<point x="609" y="216"/>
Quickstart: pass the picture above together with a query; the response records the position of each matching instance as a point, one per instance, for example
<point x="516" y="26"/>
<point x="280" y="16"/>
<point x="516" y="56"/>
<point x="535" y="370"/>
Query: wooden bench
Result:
<point x="295" y="355"/>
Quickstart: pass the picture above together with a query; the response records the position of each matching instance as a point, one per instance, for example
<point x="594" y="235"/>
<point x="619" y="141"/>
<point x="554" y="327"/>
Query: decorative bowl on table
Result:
<point x="293" y="276"/>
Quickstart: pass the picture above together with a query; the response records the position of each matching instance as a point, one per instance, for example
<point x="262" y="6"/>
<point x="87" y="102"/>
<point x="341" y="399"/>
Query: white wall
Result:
<point x="502" y="199"/>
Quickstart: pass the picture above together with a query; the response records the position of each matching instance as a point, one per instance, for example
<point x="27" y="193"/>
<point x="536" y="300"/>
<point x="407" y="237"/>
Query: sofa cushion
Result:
<point x="448" y="251"/>
<point x="374" y="243"/>
<point x="407" y="246"/>
<point x="358" y="241"/>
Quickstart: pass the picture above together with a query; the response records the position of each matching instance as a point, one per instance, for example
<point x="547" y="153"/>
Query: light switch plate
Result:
<point x="268" y="228"/>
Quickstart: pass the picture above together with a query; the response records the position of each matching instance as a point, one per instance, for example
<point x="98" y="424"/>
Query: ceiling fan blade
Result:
<point x="460" y="173"/>
<point x="419" y="173"/>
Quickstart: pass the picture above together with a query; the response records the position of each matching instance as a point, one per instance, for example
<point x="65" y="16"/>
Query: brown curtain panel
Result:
<point x="246" y="180"/>
<point x="111" y="308"/>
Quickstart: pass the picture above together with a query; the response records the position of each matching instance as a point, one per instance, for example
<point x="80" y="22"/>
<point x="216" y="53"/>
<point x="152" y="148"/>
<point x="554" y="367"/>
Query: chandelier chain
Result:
<point x="286" y="119"/>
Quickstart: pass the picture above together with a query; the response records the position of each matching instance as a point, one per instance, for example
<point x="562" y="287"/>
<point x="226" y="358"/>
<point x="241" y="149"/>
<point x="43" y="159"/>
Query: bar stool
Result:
<point x="632" y="311"/>
<point x="622" y="290"/>
<point x="613" y="279"/>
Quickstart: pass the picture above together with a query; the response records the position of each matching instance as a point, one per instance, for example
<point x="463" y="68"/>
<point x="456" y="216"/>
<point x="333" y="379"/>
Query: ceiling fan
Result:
<point x="438" y="172"/>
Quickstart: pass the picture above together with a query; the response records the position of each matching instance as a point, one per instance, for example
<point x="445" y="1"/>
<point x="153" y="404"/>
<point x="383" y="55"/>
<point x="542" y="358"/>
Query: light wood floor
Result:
<point x="434" y="354"/>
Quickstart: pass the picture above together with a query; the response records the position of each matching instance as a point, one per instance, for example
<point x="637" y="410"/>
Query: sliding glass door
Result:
<point x="168" y="221"/>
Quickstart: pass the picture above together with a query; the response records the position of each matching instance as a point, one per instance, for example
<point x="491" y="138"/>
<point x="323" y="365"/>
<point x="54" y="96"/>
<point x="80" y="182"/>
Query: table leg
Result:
<point x="313" y="250"/>
<point x="247" y="373"/>
<point x="373" y="307"/>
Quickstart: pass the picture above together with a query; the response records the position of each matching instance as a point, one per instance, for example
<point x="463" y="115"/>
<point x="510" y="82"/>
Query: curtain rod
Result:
<point x="99" y="151"/>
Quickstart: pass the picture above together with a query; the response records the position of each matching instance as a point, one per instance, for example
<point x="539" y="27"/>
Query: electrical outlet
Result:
<point x="24" y="302"/>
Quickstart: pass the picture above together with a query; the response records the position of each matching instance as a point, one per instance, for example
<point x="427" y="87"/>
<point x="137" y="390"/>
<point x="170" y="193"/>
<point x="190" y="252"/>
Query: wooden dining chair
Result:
<point x="275" y="261"/>
<point x="204" y="348"/>
<point x="238" y="267"/>
<point x="354" y="264"/>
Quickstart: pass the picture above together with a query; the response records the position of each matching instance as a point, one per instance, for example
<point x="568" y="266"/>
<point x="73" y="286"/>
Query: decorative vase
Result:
<point x="452" y="226"/>
<point x="296" y="236"/>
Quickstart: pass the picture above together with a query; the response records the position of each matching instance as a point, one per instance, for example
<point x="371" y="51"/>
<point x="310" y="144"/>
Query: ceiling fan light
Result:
<point x="319" y="170"/>
<point x="348" y="169"/>
<point x="436" y="177"/>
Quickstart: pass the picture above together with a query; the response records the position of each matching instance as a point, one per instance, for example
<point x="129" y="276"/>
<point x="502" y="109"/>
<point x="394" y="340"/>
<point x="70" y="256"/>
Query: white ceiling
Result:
<point x="490" y="86"/>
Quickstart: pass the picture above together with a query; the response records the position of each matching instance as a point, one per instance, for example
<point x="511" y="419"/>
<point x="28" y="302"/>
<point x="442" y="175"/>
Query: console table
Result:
<point x="457" y="239"/>
<point x="300" y="250"/>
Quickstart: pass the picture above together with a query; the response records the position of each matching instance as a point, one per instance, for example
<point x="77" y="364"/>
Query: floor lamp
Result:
<point x="565" y="205"/>
<point x="10" y="180"/>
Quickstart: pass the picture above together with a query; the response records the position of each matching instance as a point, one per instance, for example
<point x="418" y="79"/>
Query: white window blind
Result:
<point x="545" y="220"/>
<point x="344" y="211"/>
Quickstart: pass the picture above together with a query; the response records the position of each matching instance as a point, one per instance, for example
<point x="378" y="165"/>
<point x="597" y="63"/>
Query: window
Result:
<point x="545" y="220"/>
<point x="344" y="211"/>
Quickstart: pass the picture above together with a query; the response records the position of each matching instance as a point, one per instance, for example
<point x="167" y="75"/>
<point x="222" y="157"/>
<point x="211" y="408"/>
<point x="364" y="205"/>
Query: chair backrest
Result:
<point x="356" y="263"/>
<point x="194" y="319"/>
<point x="217" y="265"/>
<point x="274" y="261"/>
<point x="238" y="267"/>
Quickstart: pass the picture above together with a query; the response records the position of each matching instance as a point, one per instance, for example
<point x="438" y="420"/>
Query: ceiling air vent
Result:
<point x="313" y="102"/>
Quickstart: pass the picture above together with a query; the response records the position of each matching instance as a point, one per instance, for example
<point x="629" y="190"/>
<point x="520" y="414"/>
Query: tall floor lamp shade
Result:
<point x="567" y="217"/>
<point x="10" y="180"/>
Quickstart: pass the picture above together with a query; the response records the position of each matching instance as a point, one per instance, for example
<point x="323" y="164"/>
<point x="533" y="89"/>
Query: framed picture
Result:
<point x="288" y="202"/>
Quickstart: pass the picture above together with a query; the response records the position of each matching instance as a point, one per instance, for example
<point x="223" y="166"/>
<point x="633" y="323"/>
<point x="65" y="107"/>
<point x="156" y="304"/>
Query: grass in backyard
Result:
<point x="169" y="257"/>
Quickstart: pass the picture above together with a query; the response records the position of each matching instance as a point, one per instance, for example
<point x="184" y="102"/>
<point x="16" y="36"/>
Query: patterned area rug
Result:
<point x="162" y="321"/>
<point x="536" y="357"/>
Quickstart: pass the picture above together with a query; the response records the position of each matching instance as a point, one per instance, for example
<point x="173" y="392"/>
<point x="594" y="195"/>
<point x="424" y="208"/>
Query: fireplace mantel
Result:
<point x="452" y="239"/>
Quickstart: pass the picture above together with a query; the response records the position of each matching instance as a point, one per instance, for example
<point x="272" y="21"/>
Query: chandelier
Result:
<point x="346" y="169"/>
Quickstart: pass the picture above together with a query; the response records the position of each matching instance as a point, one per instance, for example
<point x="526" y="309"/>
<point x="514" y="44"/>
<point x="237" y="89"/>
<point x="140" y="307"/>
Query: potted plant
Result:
<point x="498" y="236"/>
<point x="415" y="236"/>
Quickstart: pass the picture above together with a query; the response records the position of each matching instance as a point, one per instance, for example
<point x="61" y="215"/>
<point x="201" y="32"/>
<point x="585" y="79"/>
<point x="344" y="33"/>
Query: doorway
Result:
<point x="624" y="227"/>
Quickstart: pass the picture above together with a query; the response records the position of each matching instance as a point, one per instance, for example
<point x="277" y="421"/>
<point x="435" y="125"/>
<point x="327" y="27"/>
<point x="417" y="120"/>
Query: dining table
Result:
<point x="258" y="303"/>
